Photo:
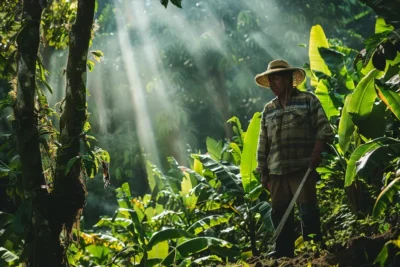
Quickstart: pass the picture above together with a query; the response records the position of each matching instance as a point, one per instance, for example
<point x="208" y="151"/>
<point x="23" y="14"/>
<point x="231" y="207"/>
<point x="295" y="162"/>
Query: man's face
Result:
<point x="279" y="82"/>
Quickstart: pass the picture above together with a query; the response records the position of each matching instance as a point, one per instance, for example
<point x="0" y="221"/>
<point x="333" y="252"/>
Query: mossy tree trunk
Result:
<point x="69" y="191"/>
<point x="41" y="252"/>
<point x="50" y="213"/>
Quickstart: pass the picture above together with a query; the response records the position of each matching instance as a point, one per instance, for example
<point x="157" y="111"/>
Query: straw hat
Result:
<point x="280" y="65"/>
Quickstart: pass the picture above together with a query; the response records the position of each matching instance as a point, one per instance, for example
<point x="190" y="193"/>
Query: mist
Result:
<point x="171" y="77"/>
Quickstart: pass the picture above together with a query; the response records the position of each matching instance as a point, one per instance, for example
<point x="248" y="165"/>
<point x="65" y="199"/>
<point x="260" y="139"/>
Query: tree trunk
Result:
<point x="69" y="191"/>
<point x="26" y="128"/>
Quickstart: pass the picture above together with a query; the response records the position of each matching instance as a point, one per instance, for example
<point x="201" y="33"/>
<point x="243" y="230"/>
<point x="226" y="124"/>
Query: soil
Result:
<point x="359" y="251"/>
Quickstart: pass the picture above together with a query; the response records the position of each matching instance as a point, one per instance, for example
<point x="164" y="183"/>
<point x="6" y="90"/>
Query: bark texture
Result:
<point x="41" y="253"/>
<point x="69" y="192"/>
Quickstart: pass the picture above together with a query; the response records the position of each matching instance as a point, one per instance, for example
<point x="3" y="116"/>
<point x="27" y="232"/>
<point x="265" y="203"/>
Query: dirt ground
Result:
<point x="360" y="251"/>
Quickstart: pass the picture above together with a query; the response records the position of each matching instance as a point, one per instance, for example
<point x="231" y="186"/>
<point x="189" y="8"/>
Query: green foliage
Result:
<point x="386" y="197"/>
<point x="249" y="161"/>
<point x="383" y="255"/>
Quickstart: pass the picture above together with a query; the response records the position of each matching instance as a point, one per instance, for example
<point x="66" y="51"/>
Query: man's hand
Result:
<point x="316" y="156"/>
<point x="265" y="180"/>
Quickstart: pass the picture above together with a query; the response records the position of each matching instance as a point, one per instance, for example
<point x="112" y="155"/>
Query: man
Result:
<point x="294" y="129"/>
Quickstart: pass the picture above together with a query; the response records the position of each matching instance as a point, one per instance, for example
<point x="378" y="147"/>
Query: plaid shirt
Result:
<point x="288" y="136"/>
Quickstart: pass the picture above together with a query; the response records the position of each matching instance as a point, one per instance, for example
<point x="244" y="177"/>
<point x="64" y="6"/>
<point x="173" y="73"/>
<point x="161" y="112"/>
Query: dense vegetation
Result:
<point x="175" y="105"/>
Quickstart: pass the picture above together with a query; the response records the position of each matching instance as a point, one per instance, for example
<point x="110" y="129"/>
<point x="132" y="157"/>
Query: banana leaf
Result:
<point x="351" y="170"/>
<point x="249" y="154"/>
<point x="389" y="97"/>
<point x="386" y="197"/>
<point x="363" y="97"/>
<point x="208" y="222"/>
<point x="327" y="102"/>
<point x="166" y="234"/>
<point x="317" y="40"/>
<point x="193" y="246"/>
<point x="346" y="126"/>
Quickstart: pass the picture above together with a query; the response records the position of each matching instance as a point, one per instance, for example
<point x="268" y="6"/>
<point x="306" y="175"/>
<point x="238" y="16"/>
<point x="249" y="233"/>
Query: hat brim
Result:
<point x="298" y="76"/>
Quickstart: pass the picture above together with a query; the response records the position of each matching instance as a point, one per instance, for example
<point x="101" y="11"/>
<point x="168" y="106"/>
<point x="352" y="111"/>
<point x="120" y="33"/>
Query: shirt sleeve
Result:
<point x="320" y="122"/>
<point x="263" y="148"/>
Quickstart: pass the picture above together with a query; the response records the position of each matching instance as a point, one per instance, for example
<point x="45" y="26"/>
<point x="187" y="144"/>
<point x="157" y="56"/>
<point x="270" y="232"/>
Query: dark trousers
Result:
<point x="283" y="187"/>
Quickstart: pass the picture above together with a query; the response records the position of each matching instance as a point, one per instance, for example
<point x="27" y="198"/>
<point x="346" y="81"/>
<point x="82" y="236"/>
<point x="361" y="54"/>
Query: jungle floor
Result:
<point x="358" y="251"/>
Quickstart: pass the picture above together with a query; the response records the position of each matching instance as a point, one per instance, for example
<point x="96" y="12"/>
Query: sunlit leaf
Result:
<point x="109" y="222"/>
<point x="363" y="97"/>
<point x="237" y="129"/>
<point x="249" y="155"/>
<point x="214" y="148"/>
<point x="322" y="92"/>
<point x="212" y="258"/>
<point x="99" y="252"/>
<point x="386" y="197"/>
<point x="317" y="40"/>
<point x="7" y="256"/>
<point x="90" y="65"/>
<point x="346" y="127"/>
<point x="224" y="173"/>
<point x="381" y="26"/>
<point x="255" y="193"/>
<point x="198" y="167"/>
<point x="208" y="222"/>
<point x="195" y="245"/>
<point x="389" y="97"/>
<point x="188" y="196"/>
<point x="160" y="250"/>
<point x="236" y="152"/>
<point x="166" y="234"/>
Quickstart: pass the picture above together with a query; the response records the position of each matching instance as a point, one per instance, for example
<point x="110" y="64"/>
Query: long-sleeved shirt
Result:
<point x="287" y="136"/>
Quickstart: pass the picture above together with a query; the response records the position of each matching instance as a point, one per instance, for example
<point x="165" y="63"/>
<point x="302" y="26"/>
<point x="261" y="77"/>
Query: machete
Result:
<point x="289" y="209"/>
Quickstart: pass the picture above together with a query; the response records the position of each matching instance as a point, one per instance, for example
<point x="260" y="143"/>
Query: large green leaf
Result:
<point x="381" y="26"/>
<point x="382" y="257"/>
<point x="224" y="173"/>
<point x="208" y="222"/>
<point x="132" y="214"/>
<point x="158" y="251"/>
<point x="386" y="197"/>
<point x="346" y="127"/>
<point x="188" y="196"/>
<point x="332" y="58"/>
<point x="377" y="159"/>
<point x="377" y="118"/>
<point x="363" y="97"/>
<point x="359" y="152"/>
<point x="326" y="100"/>
<point x="389" y="97"/>
<point x="100" y="253"/>
<point x="317" y="40"/>
<point x="166" y="234"/>
<point x="195" y="245"/>
<point x="214" y="148"/>
<point x="265" y="210"/>
<point x="249" y="154"/>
